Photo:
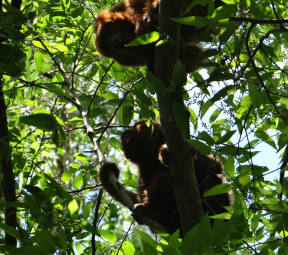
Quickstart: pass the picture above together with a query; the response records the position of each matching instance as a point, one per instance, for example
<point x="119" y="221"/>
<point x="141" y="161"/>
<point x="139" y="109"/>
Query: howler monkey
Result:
<point x="129" y="19"/>
<point x="155" y="196"/>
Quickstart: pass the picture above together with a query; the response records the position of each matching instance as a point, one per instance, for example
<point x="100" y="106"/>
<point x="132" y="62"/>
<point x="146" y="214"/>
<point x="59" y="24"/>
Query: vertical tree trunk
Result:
<point x="182" y="166"/>
<point x="6" y="168"/>
<point x="8" y="182"/>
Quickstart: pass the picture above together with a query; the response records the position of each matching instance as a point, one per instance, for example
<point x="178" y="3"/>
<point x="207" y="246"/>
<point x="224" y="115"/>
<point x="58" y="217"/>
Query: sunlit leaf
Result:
<point x="107" y="234"/>
<point x="200" y="146"/>
<point x="145" y="39"/>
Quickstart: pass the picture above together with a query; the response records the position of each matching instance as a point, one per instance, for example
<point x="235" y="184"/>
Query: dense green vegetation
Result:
<point x="66" y="108"/>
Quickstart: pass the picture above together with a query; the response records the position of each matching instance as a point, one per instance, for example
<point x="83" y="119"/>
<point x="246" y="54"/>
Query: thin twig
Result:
<point x="95" y="220"/>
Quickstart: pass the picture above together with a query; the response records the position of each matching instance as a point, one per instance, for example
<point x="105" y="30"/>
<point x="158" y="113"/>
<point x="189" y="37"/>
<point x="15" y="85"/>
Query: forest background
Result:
<point x="63" y="109"/>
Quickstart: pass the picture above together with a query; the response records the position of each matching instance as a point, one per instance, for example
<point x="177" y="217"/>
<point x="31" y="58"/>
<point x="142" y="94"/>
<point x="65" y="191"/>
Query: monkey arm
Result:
<point x="108" y="175"/>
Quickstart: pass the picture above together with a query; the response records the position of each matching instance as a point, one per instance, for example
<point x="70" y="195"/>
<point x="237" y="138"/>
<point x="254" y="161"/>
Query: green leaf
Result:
<point x="145" y="39"/>
<point x="77" y="12"/>
<point x="79" y="248"/>
<point x="215" y="75"/>
<point x="206" y="137"/>
<point x="59" y="47"/>
<point x="45" y="241"/>
<point x="39" y="61"/>
<point x="215" y="115"/>
<point x="157" y="83"/>
<point x="128" y="248"/>
<point x="255" y="221"/>
<point x="66" y="177"/>
<point x="205" y="106"/>
<point x="221" y="216"/>
<point x="230" y="31"/>
<point x="244" y="106"/>
<point x="115" y="143"/>
<point x="196" y="2"/>
<point x="269" y="226"/>
<point x="224" y="12"/>
<point x="61" y="240"/>
<point x="173" y="240"/>
<point x="167" y="249"/>
<point x="193" y="117"/>
<point x="265" y="138"/>
<point x="109" y="95"/>
<point x="278" y="186"/>
<point x="55" y="185"/>
<point x="179" y="75"/>
<point x="218" y="189"/>
<point x="219" y="122"/>
<point x="63" y="136"/>
<point x="238" y="222"/>
<point x="244" y="177"/>
<point x="83" y="158"/>
<point x="181" y="118"/>
<point x="196" y="21"/>
<point x="29" y="200"/>
<point x="87" y="226"/>
<point x="270" y="51"/>
<point x="269" y="201"/>
<point x="227" y="136"/>
<point x="231" y="150"/>
<point x="11" y="231"/>
<point x="200" y="146"/>
<point x="266" y="192"/>
<point x="107" y="234"/>
<point x="223" y="93"/>
<point x="198" y="238"/>
<point x="211" y="8"/>
<point x="78" y="180"/>
<point x="73" y="207"/>
<point x="75" y="119"/>
<point x="229" y="167"/>
<point x="54" y="89"/>
<point x="254" y="95"/>
<point x="208" y="54"/>
<point x="220" y="226"/>
<point x="149" y="245"/>
<point x="125" y="114"/>
<point x="40" y="120"/>
<point x="142" y="97"/>
<point x="131" y="183"/>
<point x="247" y="157"/>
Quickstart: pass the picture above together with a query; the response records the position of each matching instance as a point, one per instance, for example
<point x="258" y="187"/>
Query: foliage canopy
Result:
<point x="64" y="103"/>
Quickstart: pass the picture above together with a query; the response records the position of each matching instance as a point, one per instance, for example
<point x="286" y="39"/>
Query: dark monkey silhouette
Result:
<point x="155" y="196"/>
<point x="129" y="19"/>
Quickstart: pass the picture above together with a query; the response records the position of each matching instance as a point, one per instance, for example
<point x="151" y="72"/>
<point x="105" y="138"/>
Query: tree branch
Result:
<point x="98" y="203"/>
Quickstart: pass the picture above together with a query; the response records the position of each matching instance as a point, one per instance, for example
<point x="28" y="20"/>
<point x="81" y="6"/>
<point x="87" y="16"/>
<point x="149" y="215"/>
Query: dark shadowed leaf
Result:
<point x="179" y="75"/>
<point x="45" y="241"/>
<point x="159" y="86"/>
<point x="40" y="120"/>
<point x="181" y="118"/>
<point x="223" y="93"/>
<point x="197" y="240"/>
<point x="254" y="95"/>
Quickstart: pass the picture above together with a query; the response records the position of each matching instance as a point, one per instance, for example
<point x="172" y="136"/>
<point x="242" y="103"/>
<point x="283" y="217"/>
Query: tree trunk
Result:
<point x="183" y="177"/>
<point x="8" y="182"/>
